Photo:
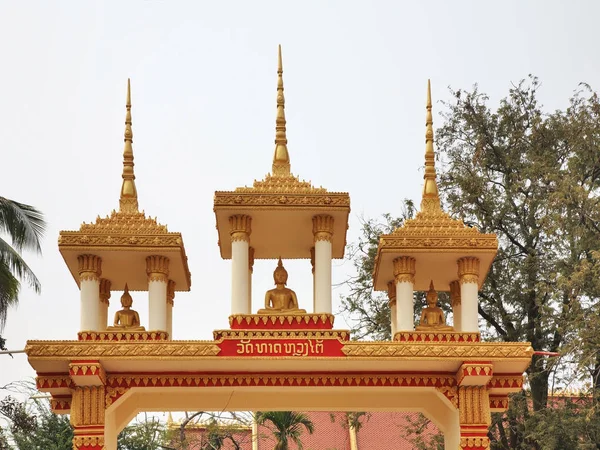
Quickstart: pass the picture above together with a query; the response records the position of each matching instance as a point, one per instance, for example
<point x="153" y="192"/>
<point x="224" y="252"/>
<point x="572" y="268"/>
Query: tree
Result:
<point x="25" y="226"/>
<point x="287" y="426"/>
<point x="533" y="179"/>
<point x="147" y="434"/>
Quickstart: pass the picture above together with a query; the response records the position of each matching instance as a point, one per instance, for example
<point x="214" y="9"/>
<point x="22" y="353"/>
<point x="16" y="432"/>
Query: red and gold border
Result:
<point x="281" y="321"/>
<point x="123" y="336"/>
<point x="425" y="336"/>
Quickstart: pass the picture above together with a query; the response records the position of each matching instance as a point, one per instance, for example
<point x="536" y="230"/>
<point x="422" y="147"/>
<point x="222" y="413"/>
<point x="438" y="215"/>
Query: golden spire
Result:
<point x="431" y="198"/>
<point x="281" y="158"/>
<point x="128" y="203"/>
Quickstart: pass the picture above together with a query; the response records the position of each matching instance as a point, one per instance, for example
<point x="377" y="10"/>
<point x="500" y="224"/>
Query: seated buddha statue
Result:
<point x="432" y="317"/>
<point x="281" y="300"/>
<point x="127" y="319"/>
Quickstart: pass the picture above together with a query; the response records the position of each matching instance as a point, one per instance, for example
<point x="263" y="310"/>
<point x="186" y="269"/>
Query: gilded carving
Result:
<point x="171" y="292"/>
<point x="433" y="350"/>
<point x="80" y="442"/>
<point x="474" y="442"/>
<point x="404" y="269"/>
<point x="455" y="298"/>
<point x="391" y="292"/>
<point x="281" y="319"/>
<point x="474" y="405"/>
<point x="240" y="227"/>
<point x="436" y="336"/>
<point x="322" y="227"/>
<point x="468" y="269"/>
<point x="104" y="290"/>
<point x="60" y="404"/>
<point x="90" y="267"/>
<point x="157" y="268"/>
<point x="123" y="335"/>
<point x="87" y="406"/>
<point x="342" y="335"/>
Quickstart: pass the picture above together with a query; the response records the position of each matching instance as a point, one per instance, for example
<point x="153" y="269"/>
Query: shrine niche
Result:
<point x="287" y="354"/>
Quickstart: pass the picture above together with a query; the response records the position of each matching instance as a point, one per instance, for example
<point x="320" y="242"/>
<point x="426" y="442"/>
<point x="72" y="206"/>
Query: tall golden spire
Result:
<point x="281" y="158"/>
<point x="431" y="198"/>
<point x="128" y="203"/>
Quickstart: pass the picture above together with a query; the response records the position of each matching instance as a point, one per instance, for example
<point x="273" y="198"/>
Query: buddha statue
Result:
<point x="281" y="300"/>
<point x="432" y="317"/>
<point x="127" y="318"/>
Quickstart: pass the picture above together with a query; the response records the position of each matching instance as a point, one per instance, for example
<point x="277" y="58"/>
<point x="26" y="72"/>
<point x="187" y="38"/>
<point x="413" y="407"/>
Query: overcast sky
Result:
<point x="203" y="80"/>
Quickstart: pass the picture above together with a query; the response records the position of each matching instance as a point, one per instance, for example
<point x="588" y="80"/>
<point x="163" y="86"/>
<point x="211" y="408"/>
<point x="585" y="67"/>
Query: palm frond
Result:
<point x="23" y="223"/>
<point x="17" y="266"/>
<point x="9" y="292"/>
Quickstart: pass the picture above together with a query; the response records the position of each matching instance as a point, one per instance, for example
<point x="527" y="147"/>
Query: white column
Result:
<point x="240" y="229"/>
<point x="323" y="233"/>
<point x="393" y="309"/>
<point x="404" y="276"/>
<point x="90" y="269"/>
<point x="157" y="269"/>
<point x="456" y="302"/>
<point x="468" y="275"/>
<point x="104" y="303"/>
<point x="250" y="271"/>
<point x="170" y="304"/>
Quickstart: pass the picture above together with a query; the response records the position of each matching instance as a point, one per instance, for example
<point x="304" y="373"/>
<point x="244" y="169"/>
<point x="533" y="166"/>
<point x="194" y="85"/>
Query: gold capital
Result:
<point x="281" y="157"/>
<point x="474" y="405"/>
<point x="157" y="268"/>
<point x="468" y="269"/>
<point x="455" y="298"/>
<point x="128" y="202"/>
<point x="391" y="292"/>
<point x="240" y="227"/>
<point x="87" y="406"/>
<point x="323" y="227"/>
<point x="171" y="292"/>
<point x="90" y="267"/>
<point x="104" y="290"/>
<point x="404" y="269"/>
<point x="431" y="198"/>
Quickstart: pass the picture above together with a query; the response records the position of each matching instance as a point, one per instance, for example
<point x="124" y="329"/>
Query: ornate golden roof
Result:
<point x="127" y="228"/>
<point x="432" y="230"/>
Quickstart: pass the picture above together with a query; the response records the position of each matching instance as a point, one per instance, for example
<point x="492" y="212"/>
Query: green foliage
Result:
<point x="147" y="434"/>
<point x="25" y="226"/>
<point x="287" y="426"/>
<point x="420" y="433"/>
<point x="33" y="426"/>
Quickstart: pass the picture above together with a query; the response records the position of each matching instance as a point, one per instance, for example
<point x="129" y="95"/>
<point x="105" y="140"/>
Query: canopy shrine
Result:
<point x="287" y="355"/>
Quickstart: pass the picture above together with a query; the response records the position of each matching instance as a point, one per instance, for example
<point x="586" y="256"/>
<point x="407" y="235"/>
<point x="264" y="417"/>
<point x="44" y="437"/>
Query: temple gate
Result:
<point x="281" y="357"/>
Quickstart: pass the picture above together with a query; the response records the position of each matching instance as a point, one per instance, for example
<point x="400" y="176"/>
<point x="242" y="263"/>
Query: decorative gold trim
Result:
<point x="455" y="298"/>
<point x="482" y="442"/>
<point x="123" y="335"/>
<point x="474" y="405"/>
<point x="342" y="335"/>
<point x="88" y="369"/>
<point x="87" y="406"/>
<point x="468" y="269"/>
<point x="404" y="269"/>
<point x="90" y="267"/>
<point x="60" y="404"/>
<point x="68" y="350"/>
<point x="281" y="195"/>
<point x="323" y="227"/>
<point x="105" y="290"/>
<point x="480" y="370"/>
<point x="391" y="292"/>
<point x="436" y="350"/>
<point x="437" y="337"/>
<point x="88" y="441"/>
<point x="157" y="268"/>
<point x="240" y="227"/>
<point x="281" y="319"/>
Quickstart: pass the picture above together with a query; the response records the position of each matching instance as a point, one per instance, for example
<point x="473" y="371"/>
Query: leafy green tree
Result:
<point x="24" y="225"/>
<point x="533" y="178"/>
<point x="147" y="434"/>
<point x="287" y="426"/>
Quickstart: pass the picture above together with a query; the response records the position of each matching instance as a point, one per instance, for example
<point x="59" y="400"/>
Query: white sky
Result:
<point x="203" y="90"/>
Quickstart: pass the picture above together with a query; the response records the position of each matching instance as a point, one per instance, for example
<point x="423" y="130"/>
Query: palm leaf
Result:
<point x="9" y="291"/>
<point x="23" y="223"/>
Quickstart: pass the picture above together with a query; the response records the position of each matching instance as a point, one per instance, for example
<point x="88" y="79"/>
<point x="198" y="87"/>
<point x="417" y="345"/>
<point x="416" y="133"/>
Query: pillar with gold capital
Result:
<point x="157" y="269"/>
<point x="170" y="304"/>
<point x="474" y="416"/>
<point x="90" y="269"/>
<point x="468" y="275"/>
<point x="323" y="233"/>
<point x="404" y="277"/>
<point x="392" y="300"/>
<point x="104" y="303"/>
<point x="240" y="228"/>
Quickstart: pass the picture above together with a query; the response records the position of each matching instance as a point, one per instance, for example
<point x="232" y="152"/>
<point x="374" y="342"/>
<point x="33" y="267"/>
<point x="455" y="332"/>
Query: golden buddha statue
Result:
<point x="127" y="318"/>
<point x="281" y="300"/>
<point x="432" y="317"/>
